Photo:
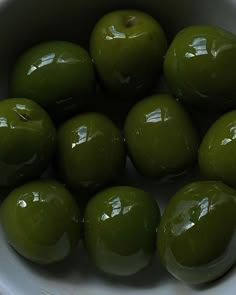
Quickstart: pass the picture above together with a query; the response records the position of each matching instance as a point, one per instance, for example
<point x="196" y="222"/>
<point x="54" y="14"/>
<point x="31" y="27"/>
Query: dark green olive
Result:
<point x="197" y="233"/>
<point x="127" y="47"/>
<point x="90" y="151"/>
<point x="58" y="75"/>
<point x="160" y="136"/>
<point x="27" y="141"/>
<point x="200" y="67"/>
<point x="217" y="153"/>
<point x="120" y="229"/>
<point x="41" y="221"/>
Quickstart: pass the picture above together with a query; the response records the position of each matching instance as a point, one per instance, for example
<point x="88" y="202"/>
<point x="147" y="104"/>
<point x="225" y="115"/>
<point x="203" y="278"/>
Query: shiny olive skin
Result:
<point x="120" y="229"/>
<point x="160" y="136"/>
<point x="127" y="47"/>
<point x="58" y="75"/>
<point x="200" y="67"/>
<point x="197" y="233"/>
<point x="41" y="221"/>
<point x="27" y="141"/>
<point x="90" y="151"/>
<point x="217" y="153"/>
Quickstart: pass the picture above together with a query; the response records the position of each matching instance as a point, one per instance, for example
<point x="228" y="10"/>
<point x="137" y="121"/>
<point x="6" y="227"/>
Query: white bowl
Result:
<point x="26" y="22"/>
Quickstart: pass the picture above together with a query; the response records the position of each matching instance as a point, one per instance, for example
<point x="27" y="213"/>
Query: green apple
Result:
<point x="58" y="75"/>
<point x="27" y="138"/>
<point x="127" y="47"/>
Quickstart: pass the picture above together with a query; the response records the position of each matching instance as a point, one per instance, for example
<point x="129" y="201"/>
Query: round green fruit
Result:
<point x="27" y="141"/>
<point x="160" y="136"/>
<point x="58" y="75"/>
<point x="197" y="233"/>
<point x="127" y="47"/>
<point x="41" y="220"/>
<point x="120" y="229"/>
<point x="217" y="153"/>
<point x="200" y="67"/>
<point x="90" y="151"/>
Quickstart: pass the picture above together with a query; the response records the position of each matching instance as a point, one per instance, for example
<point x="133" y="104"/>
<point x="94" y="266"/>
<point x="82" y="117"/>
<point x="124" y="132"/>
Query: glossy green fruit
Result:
<point x="58" y="75"/>
<point x="217" y="153"/>
<point x="200" y="67"/>
<point x="90" y="151"/>
<point x="127" y="47"/>
<point x="197" y="233"/>
<point x="41" y="220"/>
<point x="120" y="229"/>
<point x="27" y="139"/>
<point x="160" y="136"/>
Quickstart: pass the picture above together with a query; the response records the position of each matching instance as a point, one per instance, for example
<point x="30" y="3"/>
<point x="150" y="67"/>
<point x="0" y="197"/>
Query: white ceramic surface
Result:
<point x="25" y="22"/>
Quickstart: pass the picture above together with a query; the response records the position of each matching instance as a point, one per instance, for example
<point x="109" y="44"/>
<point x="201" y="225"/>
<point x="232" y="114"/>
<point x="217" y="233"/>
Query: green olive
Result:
<point x="127" y="47"/>
<point x="160" y="136"/>
<point x="120" y="229"/>
<point x="197" y="233"/>
<point x="200" y="67"/>
<point x="27" y="141"/>
<point x="217" y="153"/>
<point x="90" y="151"/>
<point x="41" y="221"/>
<point x="58" y="75"/>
